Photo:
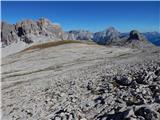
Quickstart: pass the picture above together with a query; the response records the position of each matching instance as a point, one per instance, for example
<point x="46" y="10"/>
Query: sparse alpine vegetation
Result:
<point x="51" y="44"/>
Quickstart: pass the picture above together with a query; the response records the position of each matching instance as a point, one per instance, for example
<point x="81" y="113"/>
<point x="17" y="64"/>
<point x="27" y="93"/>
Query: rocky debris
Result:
<point x="123" y="80"/>
<point x="136" y="95"/>
<point x="82" y="81"/>
<point x="147" y="113"/>
<point x="124" y="115"/>
<point x="64" y="115"/>
<point x="122" y="96"/>
<point x="144" y="112"/>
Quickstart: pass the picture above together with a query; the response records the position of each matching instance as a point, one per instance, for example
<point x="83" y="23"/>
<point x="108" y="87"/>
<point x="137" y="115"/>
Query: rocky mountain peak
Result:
<point x="107" y="36"/>
<point x="26" y="27"/>
<point x="137" y="40"/>
<point x="44" y="21"/>
<point x="112" y="34"/>
<point x="135" y="35"/>
<point x="111" y="29"/>
<point x="8" y="34"/>
<point x="43" y="30"/>
<point x="30" y="31"/>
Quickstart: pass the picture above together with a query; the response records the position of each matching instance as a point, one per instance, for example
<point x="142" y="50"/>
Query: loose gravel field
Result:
<point x="79" y="81"/>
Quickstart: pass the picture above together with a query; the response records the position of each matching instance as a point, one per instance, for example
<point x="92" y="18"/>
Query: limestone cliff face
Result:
<point x="30" y="31"/>
<point x="8" y="34"/>
<point x="43" y="30"/>
<point x="108" y="36"/>
<point x="80" y="35"/>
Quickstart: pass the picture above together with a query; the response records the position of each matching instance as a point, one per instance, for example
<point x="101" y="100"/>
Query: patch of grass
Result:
<point x="51" y="44"/>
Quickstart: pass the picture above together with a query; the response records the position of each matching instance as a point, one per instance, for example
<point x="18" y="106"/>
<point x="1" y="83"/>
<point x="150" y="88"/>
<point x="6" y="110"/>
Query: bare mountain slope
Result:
<point x="80" y="81"/>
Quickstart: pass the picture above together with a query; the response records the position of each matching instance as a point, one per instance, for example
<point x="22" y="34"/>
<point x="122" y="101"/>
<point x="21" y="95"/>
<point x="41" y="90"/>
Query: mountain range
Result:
<point x="154" y="37"/>
<point x="29" y="32"/>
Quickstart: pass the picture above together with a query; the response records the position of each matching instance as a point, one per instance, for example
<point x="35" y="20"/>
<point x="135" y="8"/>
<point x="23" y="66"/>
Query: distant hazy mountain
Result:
<point x="80" y="35"/>
<point x="111" y="36"/>
<point x="154" y="37"/>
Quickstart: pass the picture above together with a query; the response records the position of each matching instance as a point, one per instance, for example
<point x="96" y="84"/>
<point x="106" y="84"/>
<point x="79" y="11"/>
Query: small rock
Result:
<point x="157" y="72"/>
<point x="147" y="113"/>
<point x="157" y="97"/>
<point x="123" y="80"/>
<point x="128" y="113"/>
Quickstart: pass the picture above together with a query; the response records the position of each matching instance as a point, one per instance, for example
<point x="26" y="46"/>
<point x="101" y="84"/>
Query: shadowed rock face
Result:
<point x="27" y="27"/>
<point x="8" y="34"/>
<point x="42" y="27"/>
<point x="135" y="35"/>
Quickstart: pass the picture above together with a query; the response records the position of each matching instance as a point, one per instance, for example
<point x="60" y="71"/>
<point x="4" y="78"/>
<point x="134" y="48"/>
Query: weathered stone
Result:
<point x="8" y="34"/>
<point x="123" y="80"/>
<point x="108" y="36"/>
<point x="79" y="35"/>
<point x="147" y="113"/>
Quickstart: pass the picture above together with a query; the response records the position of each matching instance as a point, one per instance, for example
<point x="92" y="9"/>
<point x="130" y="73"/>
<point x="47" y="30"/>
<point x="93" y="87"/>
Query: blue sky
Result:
<point x="93" y="16"/>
